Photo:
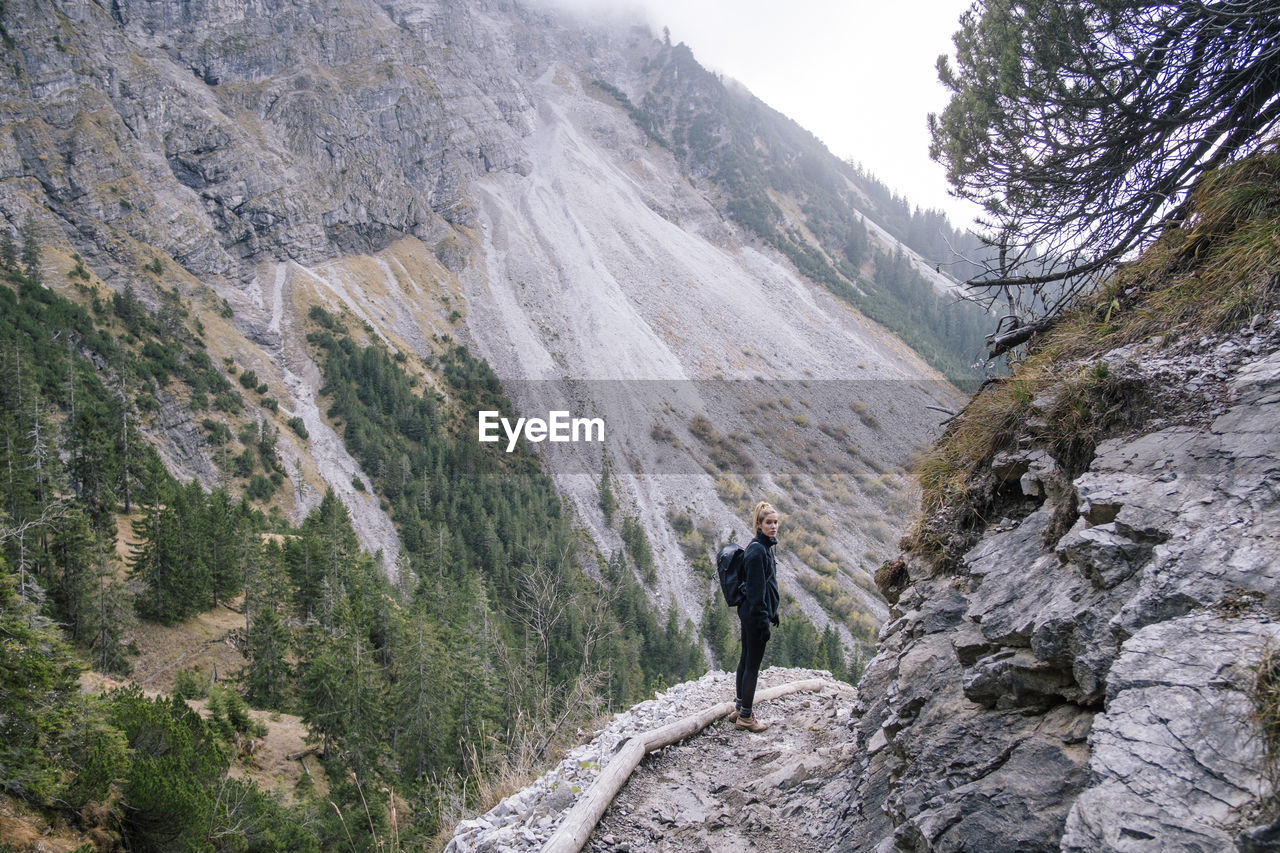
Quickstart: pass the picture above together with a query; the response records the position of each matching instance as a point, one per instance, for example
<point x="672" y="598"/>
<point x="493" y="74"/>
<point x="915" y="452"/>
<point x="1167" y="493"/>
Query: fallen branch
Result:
<point x="1005" y="341"/>
<point x="581" y="820"/>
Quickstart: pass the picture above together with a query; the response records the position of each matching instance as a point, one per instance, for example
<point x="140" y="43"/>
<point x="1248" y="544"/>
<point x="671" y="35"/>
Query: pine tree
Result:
<point x="608" y="503"/>
<point x="1080" y="128"/>
<point x="192" y="547"/>
<point x="224" y="537"/>
<point x="133" y="462"/>
<point x="267" y="675"/>
<point x="418" y="697"/>
<point x="37" y="684"/>
<point x="332" y="523"/>
<point x="471" y="642"/>
<point x="112" y="619"/>
<point x="303" y="557"/>
<point x="855" y="663"/>
<point x="178" y="762"/>
<point x="323" y="698"/>
<point x="94" y="463"/>
<point x="126" y="306"/>
<point x="73" y="584"/>
<point x="169" y="554"/>
<point x="831" y="654"/>
<point x="154" y="561"/>
<point x="341" y="692"/>
<point x="8" y="250"/>
<point x="679" y="652"/>
<point x="30" y="248"/>
<point x="718" y="626"/>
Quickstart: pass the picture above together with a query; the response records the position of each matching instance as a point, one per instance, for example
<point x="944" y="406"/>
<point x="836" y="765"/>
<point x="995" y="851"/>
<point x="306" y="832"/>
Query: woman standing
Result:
<point x="759" y="609"/>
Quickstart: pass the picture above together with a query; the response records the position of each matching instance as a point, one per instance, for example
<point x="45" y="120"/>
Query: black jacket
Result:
<point x="759" y="604"/>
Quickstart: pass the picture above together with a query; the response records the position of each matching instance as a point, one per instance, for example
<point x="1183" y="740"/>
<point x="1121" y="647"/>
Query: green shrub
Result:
<point x="322" y="317"/>
<point x="190" y="684"/>
<point x="245" y="463"/>
<point x="228" y="402"/>
<point x="170" y="790"/>
<point x="260" y="488"/>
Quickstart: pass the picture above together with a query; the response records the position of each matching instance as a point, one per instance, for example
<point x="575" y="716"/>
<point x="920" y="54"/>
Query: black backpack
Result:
<point x="729" y="571"/>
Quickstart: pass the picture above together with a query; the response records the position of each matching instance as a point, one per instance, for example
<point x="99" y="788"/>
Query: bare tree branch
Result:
<point x="1081" y="126"/>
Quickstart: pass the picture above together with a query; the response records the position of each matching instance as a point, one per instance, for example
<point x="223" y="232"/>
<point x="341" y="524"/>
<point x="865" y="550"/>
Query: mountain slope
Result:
<point x="583" y="276"/>
<point x="443" y="171"/>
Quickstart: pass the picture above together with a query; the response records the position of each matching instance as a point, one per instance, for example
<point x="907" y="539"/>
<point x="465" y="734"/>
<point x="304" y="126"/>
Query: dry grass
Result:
<point x="266" y="759"/>
<point x="507" y="774"/>
<point x="24" y="829"/>
<point x="1215" y="272"/>
<point x="1265" y="695"/>
<point x="204" y="643"/>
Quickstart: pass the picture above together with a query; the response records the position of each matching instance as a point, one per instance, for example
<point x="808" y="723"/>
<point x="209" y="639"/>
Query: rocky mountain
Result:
<point x="1080" y="654"/>
<point x="573" y="202"/>
<point x="1078" y="644"/>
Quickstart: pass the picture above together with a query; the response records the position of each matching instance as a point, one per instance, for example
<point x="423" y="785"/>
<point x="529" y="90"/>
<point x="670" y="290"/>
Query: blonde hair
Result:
<point x="762" y="509"/>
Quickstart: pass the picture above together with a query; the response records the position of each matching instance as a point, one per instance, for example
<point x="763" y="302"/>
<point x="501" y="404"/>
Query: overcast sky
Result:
<point x="858" y="74"/>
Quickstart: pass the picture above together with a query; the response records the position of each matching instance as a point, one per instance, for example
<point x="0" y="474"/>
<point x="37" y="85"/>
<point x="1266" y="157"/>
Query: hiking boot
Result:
<point x="749" y="724"/>
<point x="733" y="716"/>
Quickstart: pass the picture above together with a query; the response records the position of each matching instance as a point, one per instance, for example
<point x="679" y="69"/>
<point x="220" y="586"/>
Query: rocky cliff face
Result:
<point x="446" y="170"/>
<point x="1093" y="691"/>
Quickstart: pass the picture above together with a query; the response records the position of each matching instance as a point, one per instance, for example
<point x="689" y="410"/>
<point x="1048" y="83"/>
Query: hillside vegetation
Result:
<point x="481" y="658"/>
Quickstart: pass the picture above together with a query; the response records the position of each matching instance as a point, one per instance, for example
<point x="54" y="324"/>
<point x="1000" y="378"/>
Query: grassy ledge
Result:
<point x="1209" y="275"/>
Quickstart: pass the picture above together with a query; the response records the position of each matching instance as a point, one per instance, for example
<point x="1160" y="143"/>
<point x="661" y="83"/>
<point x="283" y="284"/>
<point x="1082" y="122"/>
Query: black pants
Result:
<point x="753" y="642"/>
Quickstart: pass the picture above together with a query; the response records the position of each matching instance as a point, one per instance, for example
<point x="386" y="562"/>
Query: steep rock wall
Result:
<point x="1092" y="691"/>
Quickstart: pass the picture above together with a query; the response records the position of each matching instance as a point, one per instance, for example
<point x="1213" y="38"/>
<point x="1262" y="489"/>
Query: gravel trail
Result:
<point x="730" y="790"/>
<point x="720" y="790"/>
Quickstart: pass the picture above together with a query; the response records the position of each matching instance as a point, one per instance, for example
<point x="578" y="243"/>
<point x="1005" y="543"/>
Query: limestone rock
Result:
<point x="1093" y="694"/>
<point x="1177" y="755"/>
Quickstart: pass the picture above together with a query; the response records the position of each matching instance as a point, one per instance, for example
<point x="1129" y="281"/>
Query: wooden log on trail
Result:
<point x="581" y="820"/>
